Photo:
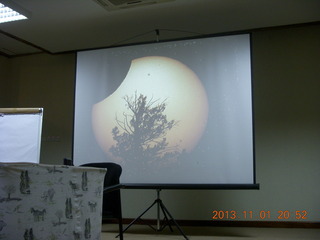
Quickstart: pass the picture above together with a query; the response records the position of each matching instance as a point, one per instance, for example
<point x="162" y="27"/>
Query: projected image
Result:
<point x="158" y="112"/>
<point x="176" y="112"/>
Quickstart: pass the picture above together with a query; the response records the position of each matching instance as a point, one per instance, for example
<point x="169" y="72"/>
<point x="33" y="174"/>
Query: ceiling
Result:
<point x="57" y="26"/>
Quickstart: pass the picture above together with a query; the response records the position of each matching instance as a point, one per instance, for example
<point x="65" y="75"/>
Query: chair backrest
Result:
<point x="68" y="162"/>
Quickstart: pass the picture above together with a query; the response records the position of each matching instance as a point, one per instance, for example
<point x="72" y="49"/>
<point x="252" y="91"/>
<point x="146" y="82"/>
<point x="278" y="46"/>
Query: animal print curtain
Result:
<point x="40" y="201"/>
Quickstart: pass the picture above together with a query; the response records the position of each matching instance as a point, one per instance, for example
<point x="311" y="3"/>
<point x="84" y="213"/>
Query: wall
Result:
<point x="286" y="70"/>
<point x="4" y="80"/>
<point x="44" y="81"/>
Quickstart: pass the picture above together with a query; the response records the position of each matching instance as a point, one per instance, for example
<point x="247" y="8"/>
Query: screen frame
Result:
<point x="190" y="186"/>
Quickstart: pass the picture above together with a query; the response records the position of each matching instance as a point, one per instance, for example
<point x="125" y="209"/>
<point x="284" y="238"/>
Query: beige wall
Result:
<point x="46" y="81"/>
<point x="286" y="78"/>
<point x="4" y="81"/>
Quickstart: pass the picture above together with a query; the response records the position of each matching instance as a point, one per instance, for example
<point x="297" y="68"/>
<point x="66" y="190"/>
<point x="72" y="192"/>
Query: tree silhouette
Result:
<point x="84" y="182"/>
<point x="59" y="214"/>
<point x="87" y="229"/>
<point x="68" y="208"/>
<point x="9" y="189"/>
<point x="24" y="182"/>
<point x="141" y="135"/>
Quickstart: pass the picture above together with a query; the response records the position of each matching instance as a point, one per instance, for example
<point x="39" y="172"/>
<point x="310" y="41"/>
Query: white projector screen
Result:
<point x="175" y="113"/>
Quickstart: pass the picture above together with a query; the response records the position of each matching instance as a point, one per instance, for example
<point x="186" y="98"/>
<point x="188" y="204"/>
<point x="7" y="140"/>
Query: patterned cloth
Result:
<point x="50" y="202"/>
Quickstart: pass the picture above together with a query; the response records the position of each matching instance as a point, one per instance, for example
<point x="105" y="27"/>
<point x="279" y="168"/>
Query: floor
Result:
<point x="137" y="232"/>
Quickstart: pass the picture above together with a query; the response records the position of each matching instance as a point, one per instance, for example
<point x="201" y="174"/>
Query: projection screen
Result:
<point x="175" y="113"/>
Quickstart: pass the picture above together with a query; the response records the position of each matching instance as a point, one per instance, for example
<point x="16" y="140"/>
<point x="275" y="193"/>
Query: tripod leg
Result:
<point x="174" y="221"/>
<point x="165" y="219"/>
<point x="138" y="217"/>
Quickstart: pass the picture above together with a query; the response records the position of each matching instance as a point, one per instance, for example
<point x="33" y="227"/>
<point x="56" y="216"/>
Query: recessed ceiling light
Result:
<point x="112" y="5"/>
<point x="7" y="14"/>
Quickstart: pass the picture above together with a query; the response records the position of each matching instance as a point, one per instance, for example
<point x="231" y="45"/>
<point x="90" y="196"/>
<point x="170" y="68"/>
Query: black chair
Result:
<point x="111" y="205"/>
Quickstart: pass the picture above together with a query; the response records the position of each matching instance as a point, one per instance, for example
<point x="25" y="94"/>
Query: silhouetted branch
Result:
<point x="144" y="131"/>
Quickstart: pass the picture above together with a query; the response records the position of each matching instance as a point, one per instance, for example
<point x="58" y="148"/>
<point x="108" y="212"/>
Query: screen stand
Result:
<point x="160" y="224"/>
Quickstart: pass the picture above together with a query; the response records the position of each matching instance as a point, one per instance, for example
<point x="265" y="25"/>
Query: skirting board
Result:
<point x="206" y="223"/>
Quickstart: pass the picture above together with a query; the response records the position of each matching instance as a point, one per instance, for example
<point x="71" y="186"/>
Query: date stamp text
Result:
<point x="259" y="215"/>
